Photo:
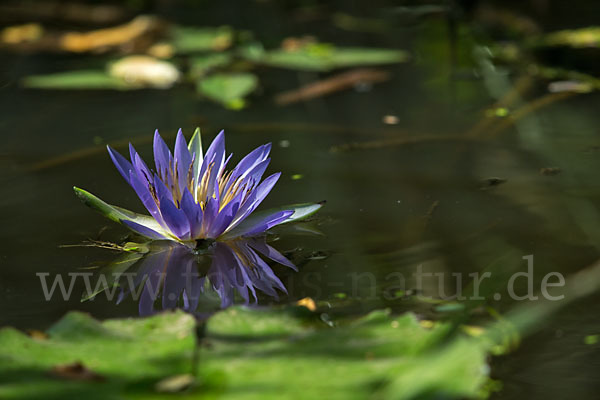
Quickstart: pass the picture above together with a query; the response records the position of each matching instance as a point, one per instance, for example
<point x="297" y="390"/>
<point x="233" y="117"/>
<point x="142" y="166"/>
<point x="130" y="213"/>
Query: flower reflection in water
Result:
<point x="180" y="277"/>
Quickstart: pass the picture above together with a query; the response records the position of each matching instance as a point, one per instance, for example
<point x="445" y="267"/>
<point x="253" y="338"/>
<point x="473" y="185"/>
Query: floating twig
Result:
<point x="336" y="83"/>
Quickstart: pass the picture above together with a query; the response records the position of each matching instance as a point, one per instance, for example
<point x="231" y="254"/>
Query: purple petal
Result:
<point x="253" y="176"/>
<point x="249" y="162"/>
<point x="270" y="252"/>
<point x="143" y="192"/>
<point x="162" y="156"/>
<point x="223" y="219"/>
<point x="216" y="148"/>
<point x="218" y="191"/>
<point x="123" y="166"/>
<point x="218" y="275"/>
<point x="132" y="152"/>
<point x="150" y="294"/>
<point x="142" y="230"/>
<point x="262" y="268"/>
<point x="175" y="278"/>
<point x="161" y="189"/>
<point x="234" y="270"/>
<point x="175" y="218"/>
<point x="193" y="211"/>
<point x="141" y="169"/>
<point x="183" y="159"/>
<point x="265" y="223"/>
<point x="215" y="154"/>
<point x="211" y="211"/>
<point x="255" y="198"/>
<point x="222" y="169"/>
<point x="265" y="279"/>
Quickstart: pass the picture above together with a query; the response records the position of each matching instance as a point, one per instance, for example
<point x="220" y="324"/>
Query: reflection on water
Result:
<point x="175" y="276"/>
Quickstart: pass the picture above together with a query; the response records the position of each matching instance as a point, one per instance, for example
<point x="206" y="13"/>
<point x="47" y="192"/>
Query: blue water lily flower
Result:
<point x="192" y="196"/>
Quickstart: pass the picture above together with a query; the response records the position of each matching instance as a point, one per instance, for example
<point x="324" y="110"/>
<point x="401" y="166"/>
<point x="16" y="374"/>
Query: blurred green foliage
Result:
<point x="245" y="353"/>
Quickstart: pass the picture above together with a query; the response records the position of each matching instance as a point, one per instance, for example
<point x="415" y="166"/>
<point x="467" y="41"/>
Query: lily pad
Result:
<point x="133" y="72"/>
<point x="81" y="79"/>
<point x="324" y="57"/>
<point x="200" y="65"/>
<point x="249" y="354"/>
<point x="577" y="38"/>
<point x="190" y="39"/>
<point x="228" y="88"/>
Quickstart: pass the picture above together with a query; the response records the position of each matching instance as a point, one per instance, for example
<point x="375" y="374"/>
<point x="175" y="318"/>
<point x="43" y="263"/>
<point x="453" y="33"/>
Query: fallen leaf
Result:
<point x="175" y="384"/>
<point x="21" y="33"/>
<point x="76" y="371"/>
<point x="308" y="303"/>
<point x="140" y="28"/>
<point x="37" y="335"/>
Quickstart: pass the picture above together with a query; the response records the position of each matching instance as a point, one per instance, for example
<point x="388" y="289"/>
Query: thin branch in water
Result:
<point x="377" y="144"/>
<point x="333" y="84"/>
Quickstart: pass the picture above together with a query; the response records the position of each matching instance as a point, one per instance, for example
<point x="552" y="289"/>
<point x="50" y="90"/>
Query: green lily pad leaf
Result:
<point x="250" y="354"/>
<point x="228" y="89"/>
<point x="577" y="38"/>
<point x="117" y="214"/>
<point x="82" y="79"/>
<point x="124" y="352"/>
<point x="201" y="65"/>
<point x="301" y="211"/>
<point x="191" y="39"/>
<point x="324" y="57"/>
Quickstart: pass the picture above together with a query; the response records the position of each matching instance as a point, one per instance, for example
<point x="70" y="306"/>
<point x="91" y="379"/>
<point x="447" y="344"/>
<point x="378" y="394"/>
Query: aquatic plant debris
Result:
<point x="191" y="196"/>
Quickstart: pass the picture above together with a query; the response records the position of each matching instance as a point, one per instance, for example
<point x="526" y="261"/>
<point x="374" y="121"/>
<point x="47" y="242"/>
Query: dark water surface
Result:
<point x="395" y="208"/>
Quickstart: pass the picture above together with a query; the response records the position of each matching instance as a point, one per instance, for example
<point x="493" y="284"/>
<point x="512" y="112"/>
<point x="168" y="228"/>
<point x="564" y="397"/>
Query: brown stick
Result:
<point x="333" y="84"/>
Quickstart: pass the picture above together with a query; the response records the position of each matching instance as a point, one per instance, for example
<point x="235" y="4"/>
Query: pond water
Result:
<point x="445" y="189"/>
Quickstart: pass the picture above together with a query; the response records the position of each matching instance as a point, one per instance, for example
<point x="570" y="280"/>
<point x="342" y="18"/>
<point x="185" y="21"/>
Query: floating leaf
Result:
<point x="200" y="65"/>
<point x="131" y="72"/>
<point x="190" y="39"/>
<point x="122" y="36"/>
<point x="228" y="89"/>
<point x="18" y="34"/>
<point x="82" y="79"/>
<point x="578" y="38"/>
<point x="251" y="354"/>
<point x="324" y="57"/>
<point x="122" y="352"/>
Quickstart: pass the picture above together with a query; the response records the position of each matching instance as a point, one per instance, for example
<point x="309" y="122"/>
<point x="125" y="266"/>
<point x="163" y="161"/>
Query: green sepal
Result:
<point x="118" y="214"/>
